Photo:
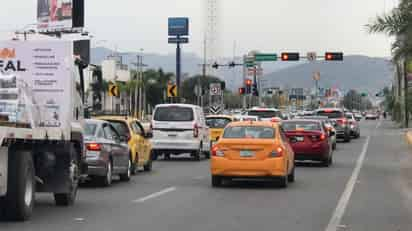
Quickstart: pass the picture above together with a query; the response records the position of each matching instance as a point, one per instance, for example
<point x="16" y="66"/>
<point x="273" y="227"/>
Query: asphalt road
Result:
<point x="367" y="188"/>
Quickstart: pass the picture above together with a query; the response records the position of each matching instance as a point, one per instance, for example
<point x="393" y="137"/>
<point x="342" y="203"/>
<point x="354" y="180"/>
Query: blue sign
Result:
<point x="178" y="26"/>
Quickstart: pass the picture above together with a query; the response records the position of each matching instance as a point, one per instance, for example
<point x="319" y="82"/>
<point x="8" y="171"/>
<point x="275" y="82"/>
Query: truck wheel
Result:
<point x="67" y="199"/>
<point x="21" y="186"/>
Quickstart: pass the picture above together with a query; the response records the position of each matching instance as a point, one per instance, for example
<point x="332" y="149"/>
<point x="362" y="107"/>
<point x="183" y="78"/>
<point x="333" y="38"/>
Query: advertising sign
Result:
<point x="34" y="83"/>
<point x="57" y="15"/>
<point x="178" y="26"/>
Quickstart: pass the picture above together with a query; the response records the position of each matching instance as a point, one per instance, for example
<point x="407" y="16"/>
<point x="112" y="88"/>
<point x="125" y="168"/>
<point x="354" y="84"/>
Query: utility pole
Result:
<point x="406" y="93"/>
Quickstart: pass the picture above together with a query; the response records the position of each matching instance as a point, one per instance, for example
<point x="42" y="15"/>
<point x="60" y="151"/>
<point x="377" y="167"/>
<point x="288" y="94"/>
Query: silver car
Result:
<point x="353" y="124"/>
<point x="107" y="153"/>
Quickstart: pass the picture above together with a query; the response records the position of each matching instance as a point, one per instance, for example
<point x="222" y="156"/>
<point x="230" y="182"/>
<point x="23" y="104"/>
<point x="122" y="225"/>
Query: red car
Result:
<point x="309" y="140"/>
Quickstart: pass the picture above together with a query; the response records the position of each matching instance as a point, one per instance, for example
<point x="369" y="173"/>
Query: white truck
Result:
<point x="41" y="124"/>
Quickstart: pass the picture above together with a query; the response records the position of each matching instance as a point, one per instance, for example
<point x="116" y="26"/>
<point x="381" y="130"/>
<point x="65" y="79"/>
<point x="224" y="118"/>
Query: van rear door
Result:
<point x="173" y="122"/>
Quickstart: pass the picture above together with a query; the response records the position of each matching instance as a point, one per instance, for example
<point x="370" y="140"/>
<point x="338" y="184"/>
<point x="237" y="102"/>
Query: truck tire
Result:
<point x="19" y="200"/>
<point x="68" y="199"/>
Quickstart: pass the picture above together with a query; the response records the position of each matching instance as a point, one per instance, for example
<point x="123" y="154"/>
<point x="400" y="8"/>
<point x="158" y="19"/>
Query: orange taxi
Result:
<point x="253" y="150"/>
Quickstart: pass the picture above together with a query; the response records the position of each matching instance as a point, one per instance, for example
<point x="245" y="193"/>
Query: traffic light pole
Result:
<point x="178" y="69"/>
<point x="244" y="80"/>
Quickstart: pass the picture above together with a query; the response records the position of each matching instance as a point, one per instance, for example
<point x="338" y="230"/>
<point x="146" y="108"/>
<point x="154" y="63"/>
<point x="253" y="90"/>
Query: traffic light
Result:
<point x="242" y="91"/>
<point x="290" y="56"/>
<point x="248" y="84"/>
<point x="255" y="90"/>
<point x="333" y="56"/>
<point x="215" y="65"/>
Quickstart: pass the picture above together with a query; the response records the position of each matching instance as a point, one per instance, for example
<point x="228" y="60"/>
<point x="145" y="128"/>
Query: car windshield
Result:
<point x="349" y="116"/>
<point x="90" y="129"/>
<point x="331" y="114"/>
<point x="265" y="113"/>
<point x="121" y="127"/>
<point x="217" y="122"/>
<point x="301" y="125"/>
<point x="249" y="132"/>
<point x="174" y="114"/>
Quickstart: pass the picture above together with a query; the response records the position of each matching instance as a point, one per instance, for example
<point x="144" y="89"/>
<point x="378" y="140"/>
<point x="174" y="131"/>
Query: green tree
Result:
<point x="188" y="86"/>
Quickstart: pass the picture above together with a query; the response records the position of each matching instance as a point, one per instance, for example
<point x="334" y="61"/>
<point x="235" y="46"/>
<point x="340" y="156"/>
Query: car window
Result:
<point x="217" y="122"/>
<point x="110" y="133"/>
<point x="265" y="113"/>
<point x="90" y="129"/>
<point x="174" y="114"/>
<point x="121" y="127"/>
<point x="136" y="129"/>
<point x="251" y="132"/>
<point x="301" y="125"/>
<point x="100" y="133"/>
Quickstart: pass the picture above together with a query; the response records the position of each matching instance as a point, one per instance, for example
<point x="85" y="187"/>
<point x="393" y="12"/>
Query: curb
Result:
<point x="409" y="137"/>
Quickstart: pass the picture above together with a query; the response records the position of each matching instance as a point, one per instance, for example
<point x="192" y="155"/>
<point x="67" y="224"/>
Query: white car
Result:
<point x="246" y="118"/>
<point x="265" y="114"/>
<point x="179" y="129"/>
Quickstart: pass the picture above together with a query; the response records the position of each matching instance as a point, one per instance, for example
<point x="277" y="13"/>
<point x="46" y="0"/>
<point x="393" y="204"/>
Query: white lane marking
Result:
<point x="334" y="223"/>
<point x="154" y="195"/>
<point x="336" y="218"/>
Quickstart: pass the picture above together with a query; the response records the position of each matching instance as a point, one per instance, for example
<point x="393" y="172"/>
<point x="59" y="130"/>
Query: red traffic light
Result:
<point x="242" y="91"/>
<point x="290" y="56"/>
<point x="248" y="82"/>
<point x="333" y="56"/>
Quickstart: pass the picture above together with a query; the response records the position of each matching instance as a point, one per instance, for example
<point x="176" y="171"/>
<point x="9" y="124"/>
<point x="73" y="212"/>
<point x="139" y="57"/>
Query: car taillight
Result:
<point x="323" y="136"/>
<point x="195" y="131"/>
<point x="277" y="153"/>
<point x="217" y="152"/>
<point x="93" y="147"/>
<point x="320" y="137"/>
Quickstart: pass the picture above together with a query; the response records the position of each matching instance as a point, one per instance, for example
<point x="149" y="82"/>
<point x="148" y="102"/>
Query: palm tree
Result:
<point x="398" y="23"/>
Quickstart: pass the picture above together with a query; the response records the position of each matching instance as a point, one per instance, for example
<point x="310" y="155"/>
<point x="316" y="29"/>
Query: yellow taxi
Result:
<point x="253" y="150"/>
<point x="216" y="124"/>
<point x="137" y="139"/>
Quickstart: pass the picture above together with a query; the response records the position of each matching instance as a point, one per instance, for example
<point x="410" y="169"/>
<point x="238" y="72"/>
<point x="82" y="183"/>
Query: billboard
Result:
<point x="34" y="83"/>
<point x="57" y="15"/>
<point x="178" y="26"/>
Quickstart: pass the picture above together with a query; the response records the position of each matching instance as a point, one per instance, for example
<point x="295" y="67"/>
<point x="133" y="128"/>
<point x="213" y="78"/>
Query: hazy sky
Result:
<point x="265" y="25"/>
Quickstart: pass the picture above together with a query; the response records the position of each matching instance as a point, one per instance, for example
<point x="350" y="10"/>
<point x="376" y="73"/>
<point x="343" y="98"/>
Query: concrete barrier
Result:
<point x="409" y="137"/>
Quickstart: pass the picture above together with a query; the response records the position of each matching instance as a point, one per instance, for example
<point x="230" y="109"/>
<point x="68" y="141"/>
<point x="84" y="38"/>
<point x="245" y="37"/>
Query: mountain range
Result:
<point x="355" y="72"/>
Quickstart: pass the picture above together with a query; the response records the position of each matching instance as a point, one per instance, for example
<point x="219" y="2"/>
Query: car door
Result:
<point x="144" y="141"/>
<point x="140" y="144"/>
<point x="119" y="160"/>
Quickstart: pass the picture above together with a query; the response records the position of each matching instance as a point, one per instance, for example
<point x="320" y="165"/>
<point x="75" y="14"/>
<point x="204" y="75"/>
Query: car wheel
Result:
<point x="347" y="138"/>
<point x="148" y="166"/>
<point x="283" y="181"/>
<point x="197" y="154"/>
<point x="327" y="161"/>
<point x="334" y="146"/>
<point x="154" y="155"/>
<point x="107" y="179"/>
<point x="126" y="176"/>
<point x="134" y="166"/>
<point x="216" y="181"/>
<point x="291" y="176"/>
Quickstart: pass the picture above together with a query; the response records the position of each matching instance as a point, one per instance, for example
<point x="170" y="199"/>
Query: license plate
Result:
<point x="299" y="138"/>
<point x="246" y="153"/>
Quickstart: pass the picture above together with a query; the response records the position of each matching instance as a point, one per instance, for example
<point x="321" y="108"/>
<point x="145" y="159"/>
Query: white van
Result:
<point x="179" y="129"/>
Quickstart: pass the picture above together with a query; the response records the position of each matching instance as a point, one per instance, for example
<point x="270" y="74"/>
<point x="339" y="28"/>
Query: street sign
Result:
<point x="250" y="61"/>
<point x="175" y="40"/>
<point x="311" y="56"/>
<point x="178" y="26"/>
<point x="266" y="57"/>
<point x="171" y="90"/>
<point x="113" y="90"/>
<point x="215" y="109"/>
<point x="215" y="89"/>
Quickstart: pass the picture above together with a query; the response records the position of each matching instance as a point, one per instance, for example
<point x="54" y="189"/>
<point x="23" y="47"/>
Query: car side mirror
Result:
<point x="123" y="139"/>
<point x="148" y="135"/>
<point x="331" y="133"/>
<point x="217" y="138"/>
